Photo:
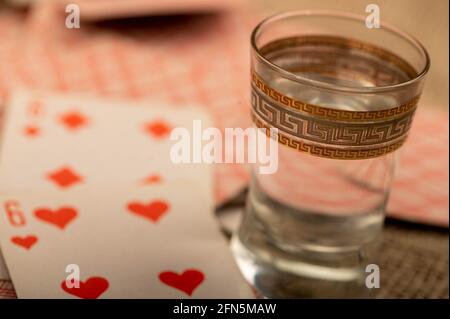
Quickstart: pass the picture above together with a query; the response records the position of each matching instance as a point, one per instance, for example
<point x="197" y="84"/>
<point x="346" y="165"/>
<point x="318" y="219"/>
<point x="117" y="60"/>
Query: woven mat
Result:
<point x="414" y="260"/>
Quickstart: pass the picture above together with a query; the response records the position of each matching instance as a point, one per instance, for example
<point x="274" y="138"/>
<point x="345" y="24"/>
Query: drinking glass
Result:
<point x="343" y="97"/>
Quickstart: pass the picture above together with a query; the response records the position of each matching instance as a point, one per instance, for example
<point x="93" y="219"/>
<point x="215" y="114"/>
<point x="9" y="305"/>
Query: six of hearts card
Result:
<point x="92" y="206"/>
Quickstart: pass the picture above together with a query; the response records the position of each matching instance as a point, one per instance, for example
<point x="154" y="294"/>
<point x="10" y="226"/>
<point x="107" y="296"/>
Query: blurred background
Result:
<point x="427" y="21"/>
<point x="176" y="51"/>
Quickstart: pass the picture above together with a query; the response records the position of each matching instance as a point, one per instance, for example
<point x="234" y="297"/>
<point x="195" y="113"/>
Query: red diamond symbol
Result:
<point x="31" y="130"/>
<point x="64" y="177"/>
<point x="157" y="129"/>
<point x="152" y="179"/>
<point x="73" y="120"/>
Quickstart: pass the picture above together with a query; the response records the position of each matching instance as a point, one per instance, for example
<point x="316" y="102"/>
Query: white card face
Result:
<point x="157" y="242"/>
<point x="67" y="142"/>
<point x="90" y="182"/>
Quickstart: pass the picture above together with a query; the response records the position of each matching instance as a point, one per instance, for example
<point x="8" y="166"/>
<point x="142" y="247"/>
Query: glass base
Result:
<point x="275" y="277"/>
<point x="295" y="254"/>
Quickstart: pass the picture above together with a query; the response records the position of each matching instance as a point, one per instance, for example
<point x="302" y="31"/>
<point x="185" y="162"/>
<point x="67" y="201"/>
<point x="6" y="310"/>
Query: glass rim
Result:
<point x="349" y="16"/>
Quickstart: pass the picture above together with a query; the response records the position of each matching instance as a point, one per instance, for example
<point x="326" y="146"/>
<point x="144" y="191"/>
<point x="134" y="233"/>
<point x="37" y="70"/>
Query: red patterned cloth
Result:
<point x="420" y="190"/>
<point x="7" y="290"/>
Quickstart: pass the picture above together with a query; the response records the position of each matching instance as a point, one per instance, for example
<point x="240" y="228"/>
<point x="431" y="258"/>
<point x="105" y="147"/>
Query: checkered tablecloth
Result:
<point x="202" y="60"/>
<point x="420" y="190"/>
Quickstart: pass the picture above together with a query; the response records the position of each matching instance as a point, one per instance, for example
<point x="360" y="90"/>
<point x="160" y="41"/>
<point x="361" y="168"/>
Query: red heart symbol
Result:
<point x="153" y="210"/>
<point x="90" y="289"/>
<point x="26" y="242"/>
<point x="187" y="281"/>
<point x="60" y="217"/>
<point x="157" y="129"/>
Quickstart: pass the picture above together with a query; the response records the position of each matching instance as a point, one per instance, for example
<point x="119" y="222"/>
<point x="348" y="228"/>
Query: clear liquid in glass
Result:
<point x="311" y="228"/>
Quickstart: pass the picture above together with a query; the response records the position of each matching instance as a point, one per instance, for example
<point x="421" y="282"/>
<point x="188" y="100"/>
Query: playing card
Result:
<point x="68" y="141"/>
<point x="90" y="183"/>
<point x="159" y="242"/>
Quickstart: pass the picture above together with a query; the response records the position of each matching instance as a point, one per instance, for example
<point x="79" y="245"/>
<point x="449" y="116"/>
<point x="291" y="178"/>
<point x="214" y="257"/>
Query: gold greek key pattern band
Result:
<point x="331" y="138"/>
<point x="328" y="113"/>
<point x="330" y="132"/>
<point x="327" y="151"/>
